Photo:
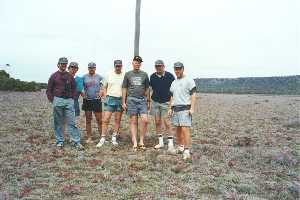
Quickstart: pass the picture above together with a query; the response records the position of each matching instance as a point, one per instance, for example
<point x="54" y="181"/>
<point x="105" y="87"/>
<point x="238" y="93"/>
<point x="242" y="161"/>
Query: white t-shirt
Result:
<point x="181" y="89"/>
<point x="114" y="81"/>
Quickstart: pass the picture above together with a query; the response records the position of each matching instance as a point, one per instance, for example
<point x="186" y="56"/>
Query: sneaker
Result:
<point x="114" y="140"/>
<point x="186" y="155"/>
<point x="89" y="141"/>
<point x="171" y="149"/>
<point x="179" y="149"/>
<point x="79" y="147"/>
<point x="101" y="142"/>
<point x="159" y="146"/>
<point x="60" y="145"/>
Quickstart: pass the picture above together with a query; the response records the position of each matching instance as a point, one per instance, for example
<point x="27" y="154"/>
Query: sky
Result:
<point x="213" y="38"/>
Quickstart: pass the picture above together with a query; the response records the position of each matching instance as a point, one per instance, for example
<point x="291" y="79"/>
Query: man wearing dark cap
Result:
<point x="61" y="92"/>
<point x="112" y="90"/>
<point x="92" y="83"/>
<point x="136" y="101"/>
<point x="183" y="100"/>
<point x="160" y="83"/>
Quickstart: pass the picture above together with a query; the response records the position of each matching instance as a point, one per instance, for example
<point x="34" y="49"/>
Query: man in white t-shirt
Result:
<point x="183" y="99"/>
<point x="112" y="90"/>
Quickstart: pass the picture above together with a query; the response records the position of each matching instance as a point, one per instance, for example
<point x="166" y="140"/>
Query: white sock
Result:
<point x="170" y="141"/>
<point x="160" y="140"/>
<point x="187" y="151"/>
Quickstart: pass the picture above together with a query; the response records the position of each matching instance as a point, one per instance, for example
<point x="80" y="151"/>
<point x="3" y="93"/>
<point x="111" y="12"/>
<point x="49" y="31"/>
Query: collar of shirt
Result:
<point x="160" y="75"/>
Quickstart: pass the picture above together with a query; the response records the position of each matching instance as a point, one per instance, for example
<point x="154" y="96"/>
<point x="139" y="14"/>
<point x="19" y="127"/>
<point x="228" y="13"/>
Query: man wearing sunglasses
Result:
<point x="160" y="83"/>
<point x="112" y="90"/>
<point x="92" y="83"/>
<point x="61" y="92"/>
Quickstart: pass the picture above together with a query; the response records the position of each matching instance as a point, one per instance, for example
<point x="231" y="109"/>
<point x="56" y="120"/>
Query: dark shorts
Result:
<point x="113" y="104"/>
<point x="94" y="105"/>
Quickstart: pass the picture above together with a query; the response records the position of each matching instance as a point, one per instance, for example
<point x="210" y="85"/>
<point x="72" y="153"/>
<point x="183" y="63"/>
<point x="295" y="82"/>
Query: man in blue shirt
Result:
<point x="73" y="69"/>
<point x="160" y="83"/>
<point x="92" y="83"/>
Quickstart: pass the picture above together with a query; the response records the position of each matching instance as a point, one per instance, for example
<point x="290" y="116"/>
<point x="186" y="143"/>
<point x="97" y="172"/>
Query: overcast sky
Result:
<point x="213" y="38"/>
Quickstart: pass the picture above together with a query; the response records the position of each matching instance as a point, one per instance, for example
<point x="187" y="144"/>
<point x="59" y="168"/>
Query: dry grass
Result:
<point x="244" y="147"/>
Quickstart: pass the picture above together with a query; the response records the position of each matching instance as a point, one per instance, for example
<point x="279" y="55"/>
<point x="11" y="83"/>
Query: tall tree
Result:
<point x="137" y="28"/>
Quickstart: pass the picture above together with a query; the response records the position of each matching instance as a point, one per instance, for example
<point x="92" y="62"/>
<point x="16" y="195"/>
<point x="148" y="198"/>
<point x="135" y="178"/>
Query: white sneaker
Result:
<point x="159" y="146"/>
<point x="171" y="149"/>
<point x="114" y="140"/>
<point x="101" y="142"/>
<point x="186" y="155"/>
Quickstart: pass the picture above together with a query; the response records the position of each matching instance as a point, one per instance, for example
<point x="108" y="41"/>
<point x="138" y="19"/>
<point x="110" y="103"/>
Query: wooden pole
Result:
<point x="137" y="28"/>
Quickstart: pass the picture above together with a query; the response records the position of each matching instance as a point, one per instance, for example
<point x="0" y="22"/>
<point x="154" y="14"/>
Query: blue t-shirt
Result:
<point x="79" y="84"/>
<point x="92" y="85"/>
<point x="161" y="87"/>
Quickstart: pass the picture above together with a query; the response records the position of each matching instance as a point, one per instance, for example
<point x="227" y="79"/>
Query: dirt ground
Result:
<point x="244" y="147"/>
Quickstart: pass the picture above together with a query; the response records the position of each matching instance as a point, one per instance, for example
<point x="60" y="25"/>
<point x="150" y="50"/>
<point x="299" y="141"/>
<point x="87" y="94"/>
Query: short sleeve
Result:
<point x="125" y="81"/>
<point x="147" y="82"/>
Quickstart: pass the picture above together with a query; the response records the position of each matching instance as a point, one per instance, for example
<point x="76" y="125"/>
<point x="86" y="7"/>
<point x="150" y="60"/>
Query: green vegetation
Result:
<point x="10" y="84"/>
<point x="286" y="85"/>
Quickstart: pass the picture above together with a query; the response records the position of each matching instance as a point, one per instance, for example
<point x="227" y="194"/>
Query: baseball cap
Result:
<point x="159" y="62"/>
<point x="92" y="65"/>
<point x="138" y="58"/>
<point x="178" y="65"/>
<point x="73" y="65"/>
<point x="63" y="60"/>
<point x="117" y="62"/>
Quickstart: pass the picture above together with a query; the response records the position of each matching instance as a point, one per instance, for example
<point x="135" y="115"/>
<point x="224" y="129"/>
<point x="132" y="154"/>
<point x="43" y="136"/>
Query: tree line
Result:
<point x="281" y="85"/>
<point x="8" y="83"/>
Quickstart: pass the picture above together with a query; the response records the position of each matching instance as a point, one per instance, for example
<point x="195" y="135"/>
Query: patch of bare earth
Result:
<point x="244" y="147"/>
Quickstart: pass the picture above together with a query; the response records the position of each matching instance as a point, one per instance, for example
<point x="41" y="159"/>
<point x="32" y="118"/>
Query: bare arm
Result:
<point x="147" y="94"/>
<point x="124" y="95"/>
<point x="193" y="103"/>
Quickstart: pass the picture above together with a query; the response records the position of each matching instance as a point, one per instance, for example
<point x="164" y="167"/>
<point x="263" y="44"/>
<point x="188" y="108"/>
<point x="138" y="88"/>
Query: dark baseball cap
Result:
<point x="73" y="65"/>
<point x="63" y="60"/>
<point x="178" y="65"/>
<point x="92" y="65"/>
<point x="118" y="62"/>
<point x="138" y="58"/>
<point x="159" y="62"/>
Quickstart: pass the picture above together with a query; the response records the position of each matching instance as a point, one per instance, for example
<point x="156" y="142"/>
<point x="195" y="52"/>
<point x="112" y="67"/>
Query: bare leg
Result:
<point x="118" y="116"/>
<point x="106" y="119"/>
<point x="144" y="126"/>
<point x="88" y="123"/>
<point x="179" y="136"/>
<point x="98" y="116"/>
<point x="186" y="136"/>
<point x="158" y="124"/>
<point x="169" y="129"/>
<point x="133" y="129"/>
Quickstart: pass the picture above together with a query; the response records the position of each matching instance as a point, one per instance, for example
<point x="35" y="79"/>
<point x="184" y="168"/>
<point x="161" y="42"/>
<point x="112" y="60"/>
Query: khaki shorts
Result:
<point x="159" y="109"/>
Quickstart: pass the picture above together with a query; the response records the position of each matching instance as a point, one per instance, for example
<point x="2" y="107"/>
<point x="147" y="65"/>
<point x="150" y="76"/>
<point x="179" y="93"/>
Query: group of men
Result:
<point x="168" y="100"/>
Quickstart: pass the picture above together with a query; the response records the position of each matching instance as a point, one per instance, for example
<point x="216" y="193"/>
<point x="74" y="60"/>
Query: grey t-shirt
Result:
<point x="136" y="83"/>
<point x="181" y="90"/>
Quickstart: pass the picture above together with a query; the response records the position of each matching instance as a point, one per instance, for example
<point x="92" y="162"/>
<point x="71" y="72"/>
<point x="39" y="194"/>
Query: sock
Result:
<point x="160" y="139"/>
<point x="170" y="141"/>
<point x="114" y="134"/>
<point x="187" y="150"/>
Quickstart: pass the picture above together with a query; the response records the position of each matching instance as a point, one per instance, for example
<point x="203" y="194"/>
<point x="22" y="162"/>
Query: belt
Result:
<point x="179" y="108"/>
